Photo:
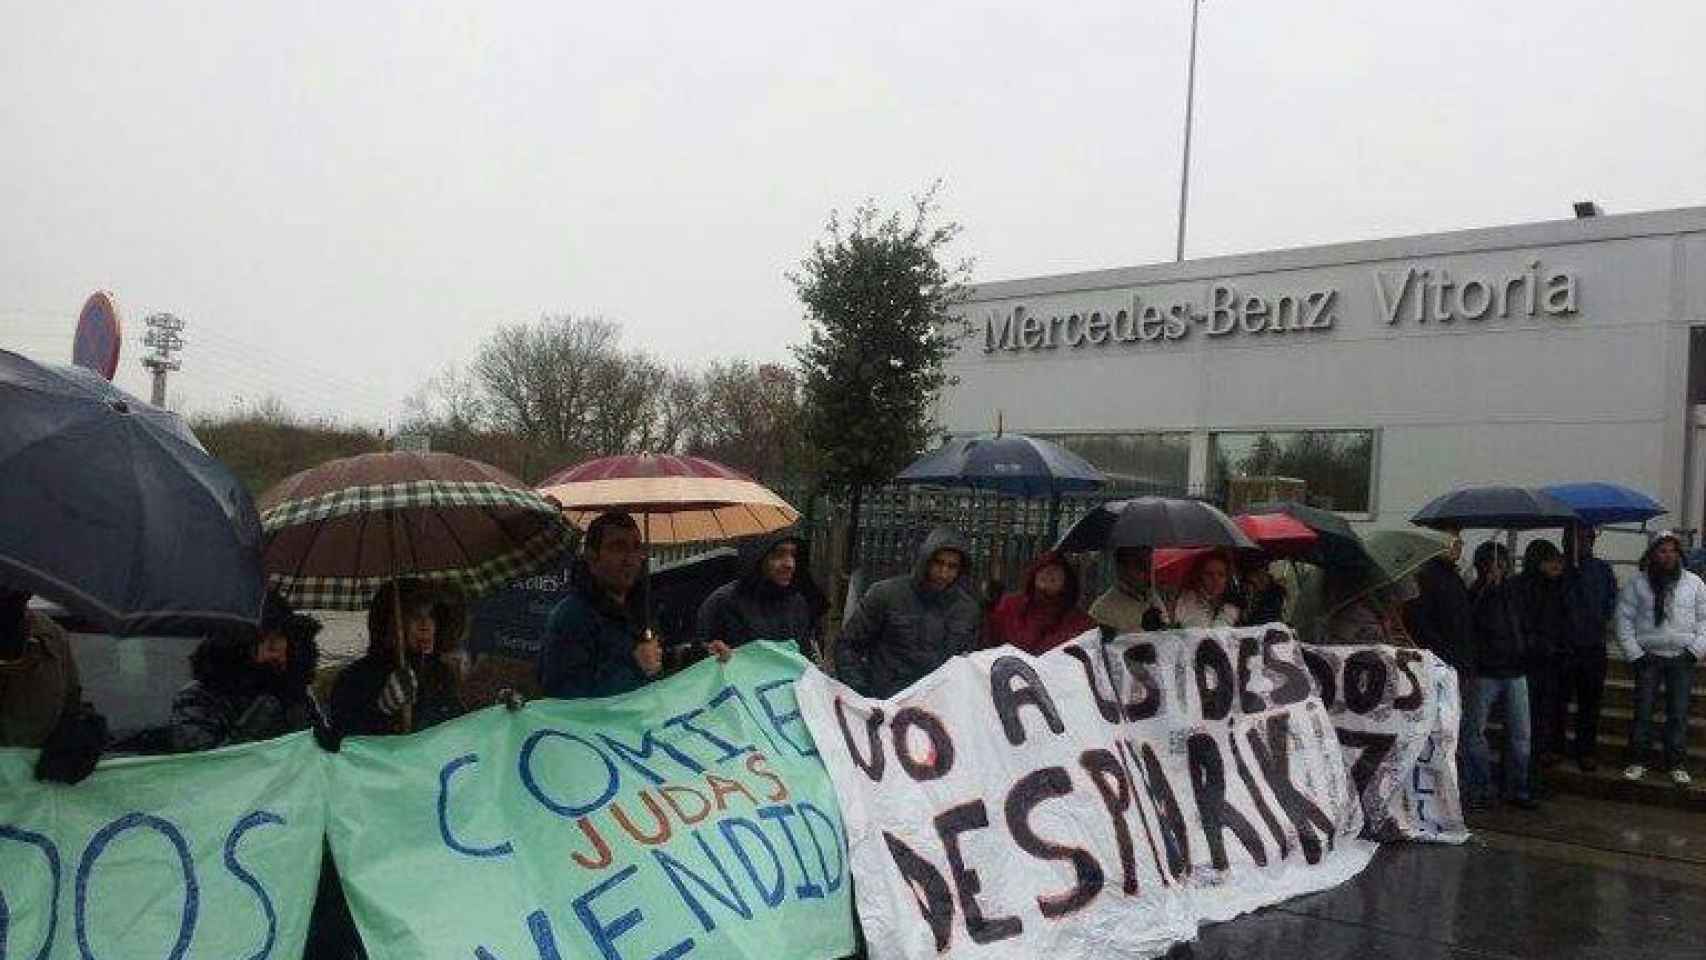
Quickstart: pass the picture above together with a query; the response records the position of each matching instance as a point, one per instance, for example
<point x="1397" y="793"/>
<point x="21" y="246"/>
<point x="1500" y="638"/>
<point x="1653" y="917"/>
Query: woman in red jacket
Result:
<point x="1042" y="616"/>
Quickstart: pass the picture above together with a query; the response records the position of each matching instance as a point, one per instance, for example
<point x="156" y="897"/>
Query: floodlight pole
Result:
<point x="1190" y="104"/>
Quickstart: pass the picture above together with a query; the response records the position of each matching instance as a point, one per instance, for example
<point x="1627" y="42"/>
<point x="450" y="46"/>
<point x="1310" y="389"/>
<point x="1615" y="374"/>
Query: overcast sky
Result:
<point x="342" y="198"/>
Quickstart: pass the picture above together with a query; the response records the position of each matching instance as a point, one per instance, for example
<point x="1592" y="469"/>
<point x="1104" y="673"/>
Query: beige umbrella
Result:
<point x="678" y="499"/>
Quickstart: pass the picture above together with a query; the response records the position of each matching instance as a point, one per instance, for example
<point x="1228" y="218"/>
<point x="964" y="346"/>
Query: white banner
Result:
<point x="1396" y="711"/>
<point x="1101" y="800"/>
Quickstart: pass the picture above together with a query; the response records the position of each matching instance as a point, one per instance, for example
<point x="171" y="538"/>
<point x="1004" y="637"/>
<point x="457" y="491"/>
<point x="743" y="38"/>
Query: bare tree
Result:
<point x="751" y="418"/>
<point x="543" y="381"/>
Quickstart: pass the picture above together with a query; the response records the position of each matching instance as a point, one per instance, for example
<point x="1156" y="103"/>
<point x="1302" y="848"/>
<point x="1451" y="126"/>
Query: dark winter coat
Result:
<point x="1033" y="624"/>
<point x="752" y="607"/>
<point x="1440" y="618"/>
<point x="40" y="688"/>
<point x="590" y="640"/>
<point x="234" y="701"/>
<point x="1501" y="647"/>
<point x="1547" y="616"/>
<point x="902" y="630"/>
<point x="1267" y="606"/>
<point x="1594" y="589"/>
<point x="355" y="696"/>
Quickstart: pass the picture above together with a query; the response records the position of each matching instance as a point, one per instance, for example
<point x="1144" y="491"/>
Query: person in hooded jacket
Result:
<point x="1593" y="588"/>
<point x="597" y="643"/>
<point x="1132" y="604"/>
<point x="1439" y="619"/>
<point x="1661" y="628"/>
<point x="1501" y="666"/>
<point x="772" y="599"/>
<point x="370" y="694"/>
<point x="906" y="626"/>
<point x="1546" y="605"/>
<point x="249" y="686"/>
<point x="1044" y="614"/>
<point x="41" y="694"/>
<point x="1263" y="597"/>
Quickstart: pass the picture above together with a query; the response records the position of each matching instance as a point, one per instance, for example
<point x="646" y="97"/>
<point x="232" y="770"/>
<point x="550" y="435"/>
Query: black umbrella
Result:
<point x="1339" y="546"/>
<point x="1012" y="464"/>
<point x="1495" y="508"/>
<point x="1153" y="522"/>
<point x="114" y="511"/>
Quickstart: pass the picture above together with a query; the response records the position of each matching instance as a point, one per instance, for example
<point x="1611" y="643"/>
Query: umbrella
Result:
<point x="1013" y="464"/>
<point x="1601" y="503"/>
<point x="681" y="499"/>
<point x="338" y="531"/>
<point x="115" y="511"/>
<point x="1495" y="508"/>
<point x="1397" y="554"/>
<point x="1153" y="522"/>
<point x="1275" y="535"/>
<point x="1336" y="545"/>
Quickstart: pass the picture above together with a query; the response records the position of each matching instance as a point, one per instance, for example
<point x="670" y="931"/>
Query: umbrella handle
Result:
<point x="405" y="716"/>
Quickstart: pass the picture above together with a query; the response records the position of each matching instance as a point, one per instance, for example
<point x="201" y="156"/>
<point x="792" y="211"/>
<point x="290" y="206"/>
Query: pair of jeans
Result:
<point x="1488" y="692"/>
<point x="1676" y="675"/>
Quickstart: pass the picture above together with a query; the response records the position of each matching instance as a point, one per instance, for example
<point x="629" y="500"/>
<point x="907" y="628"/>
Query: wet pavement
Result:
<point x="1581" y="879"/>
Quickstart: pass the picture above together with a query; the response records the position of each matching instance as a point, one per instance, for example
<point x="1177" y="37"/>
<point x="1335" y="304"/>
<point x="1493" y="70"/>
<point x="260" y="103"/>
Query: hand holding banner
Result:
<point x="691" y="817"/>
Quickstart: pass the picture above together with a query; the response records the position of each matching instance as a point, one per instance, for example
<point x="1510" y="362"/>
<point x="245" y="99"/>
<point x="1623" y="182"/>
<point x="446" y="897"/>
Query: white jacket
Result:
<point x="1684" y="628"/>
<point x="1191" y="610"/>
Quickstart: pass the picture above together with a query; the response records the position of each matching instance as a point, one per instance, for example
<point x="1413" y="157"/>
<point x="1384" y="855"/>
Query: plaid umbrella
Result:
<point x="338" y="531"/>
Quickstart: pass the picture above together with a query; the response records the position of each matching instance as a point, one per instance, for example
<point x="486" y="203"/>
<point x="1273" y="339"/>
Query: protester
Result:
<point x="249" y="686"/>
<point x="1044" y="614"/>
<point x="1264" y="597"/>
<point x="1501" y="664"/>
<point x="41" y="695"/>
<point x="1439" y="617"/>
<point x="370" y="694"/>
<point x="1594" y="590"/>
<point x="1661" y="627"/>
<point x="1545" y="602"/>
<point x="906" y="626"/>
<point x="1131" y="605"/>
<point x="770" y="600"/>
<point x="1373" y="613"/>
<point x="1207" y="600"/>
<point x="596" y="640"/>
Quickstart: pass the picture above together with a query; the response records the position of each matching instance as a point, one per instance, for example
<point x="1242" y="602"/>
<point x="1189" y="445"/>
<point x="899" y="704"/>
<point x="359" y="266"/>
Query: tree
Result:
<point x="879" y="304"/>
<point x="750" y="418"/>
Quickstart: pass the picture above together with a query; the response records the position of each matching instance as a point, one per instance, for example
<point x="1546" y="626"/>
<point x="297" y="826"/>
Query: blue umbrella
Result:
<point x="114" y="511"/>
<point x="1495" y="508"/>
<point x="1013" y="464"/>
<point x="1600" y="503"/>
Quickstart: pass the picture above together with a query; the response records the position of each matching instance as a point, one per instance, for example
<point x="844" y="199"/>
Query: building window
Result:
<point x="1330" y="469"/>
<point x="1158" y="463"/>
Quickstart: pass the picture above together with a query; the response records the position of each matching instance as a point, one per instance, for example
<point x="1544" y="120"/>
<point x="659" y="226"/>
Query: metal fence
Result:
<point x="1002" y="533"/>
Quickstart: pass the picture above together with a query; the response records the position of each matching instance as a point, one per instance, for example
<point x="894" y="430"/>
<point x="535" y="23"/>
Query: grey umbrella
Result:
<point x="1154" y="522"/>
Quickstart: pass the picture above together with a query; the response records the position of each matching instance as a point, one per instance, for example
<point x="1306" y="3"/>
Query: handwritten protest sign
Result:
<point x="212" y="855"/>
<point x="691" y="818"/>
<point x="1101" y="800"/>
<point x="1396" y="712"/>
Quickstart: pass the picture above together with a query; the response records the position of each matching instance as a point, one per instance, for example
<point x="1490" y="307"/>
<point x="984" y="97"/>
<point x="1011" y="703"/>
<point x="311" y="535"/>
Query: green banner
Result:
<point x="691" y="818"/>
<point x="212" y="855"/>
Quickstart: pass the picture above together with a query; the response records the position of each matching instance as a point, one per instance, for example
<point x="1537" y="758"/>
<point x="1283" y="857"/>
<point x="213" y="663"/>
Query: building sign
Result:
<point x="1414" y="295"/>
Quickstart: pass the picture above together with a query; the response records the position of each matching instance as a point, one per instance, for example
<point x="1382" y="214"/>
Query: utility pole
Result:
<point x="1190" y="103"/>
<point x="163" y="335"/>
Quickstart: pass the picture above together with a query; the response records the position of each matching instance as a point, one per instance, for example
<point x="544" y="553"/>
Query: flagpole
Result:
<point x="1190" y="103"/>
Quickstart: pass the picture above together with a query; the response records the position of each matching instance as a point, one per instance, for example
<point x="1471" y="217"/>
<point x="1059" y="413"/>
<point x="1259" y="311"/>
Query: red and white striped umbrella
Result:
<point x="682" y="499"/>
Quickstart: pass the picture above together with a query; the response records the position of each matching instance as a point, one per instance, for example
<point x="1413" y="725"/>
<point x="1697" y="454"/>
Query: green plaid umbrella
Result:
<point x="336" y="532"/>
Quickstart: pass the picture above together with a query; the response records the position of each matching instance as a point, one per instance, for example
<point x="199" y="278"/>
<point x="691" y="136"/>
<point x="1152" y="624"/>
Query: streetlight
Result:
<point x="1190" y="102"/>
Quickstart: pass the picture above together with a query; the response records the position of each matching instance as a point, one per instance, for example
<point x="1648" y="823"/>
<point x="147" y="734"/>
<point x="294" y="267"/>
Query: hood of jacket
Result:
<point x="1069" y="596"/>
<point x="939" y="539"/>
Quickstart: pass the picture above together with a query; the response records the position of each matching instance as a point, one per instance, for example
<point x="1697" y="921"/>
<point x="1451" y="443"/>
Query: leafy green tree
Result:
<point x="880" y="307"/>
